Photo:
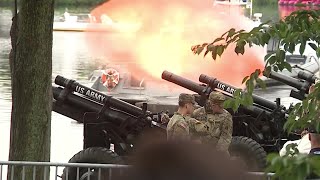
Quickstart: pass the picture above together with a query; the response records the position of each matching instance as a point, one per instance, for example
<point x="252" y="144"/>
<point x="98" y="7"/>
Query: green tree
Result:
<point x="300" y="27"/>
<point x="31" y="71"/>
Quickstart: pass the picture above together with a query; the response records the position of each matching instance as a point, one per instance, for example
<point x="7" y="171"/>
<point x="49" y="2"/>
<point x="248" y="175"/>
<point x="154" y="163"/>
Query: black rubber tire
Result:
<point x="249" y="151"/>
<point x="92" y="155"/>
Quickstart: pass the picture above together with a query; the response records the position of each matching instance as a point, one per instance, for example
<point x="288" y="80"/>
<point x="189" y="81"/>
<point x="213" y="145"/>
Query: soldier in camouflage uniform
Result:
<point x="219" y="121"/>
<point x="181" y="126"/>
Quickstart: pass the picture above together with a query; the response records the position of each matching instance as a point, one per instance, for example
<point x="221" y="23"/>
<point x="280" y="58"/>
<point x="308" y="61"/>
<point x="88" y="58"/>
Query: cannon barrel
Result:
<point x="311" y="78"/>
<point x="98" y="96"/>
<point x="201" y="90"/>
<point x="186" y="83"/>
<point x="215" y="84"/>
<point x="87" y="105"/>
<point x="296" y="83"/>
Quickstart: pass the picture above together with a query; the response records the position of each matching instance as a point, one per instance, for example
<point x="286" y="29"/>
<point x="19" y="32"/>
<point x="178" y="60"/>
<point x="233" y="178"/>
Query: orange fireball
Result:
<point x="167" y="32"/>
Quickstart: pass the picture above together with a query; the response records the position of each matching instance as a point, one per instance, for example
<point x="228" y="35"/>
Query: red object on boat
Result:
<point x="306" y="2"/>
<point x="285" y="10"/>
<point x="316" y="2"/>
<point x="293" y="2"/>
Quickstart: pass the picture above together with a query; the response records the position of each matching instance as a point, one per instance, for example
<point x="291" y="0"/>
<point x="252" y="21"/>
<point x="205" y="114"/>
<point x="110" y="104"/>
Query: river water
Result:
<point x="70" y="59"/>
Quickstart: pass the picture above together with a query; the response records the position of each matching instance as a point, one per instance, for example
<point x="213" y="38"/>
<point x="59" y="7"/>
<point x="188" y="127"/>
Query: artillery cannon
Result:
<point x="309" y="77"/>
<point x="261" y="123"/>
<point x="302" y="84"/>
<point x="106" y="121"/>
<point x="213" y="83"/>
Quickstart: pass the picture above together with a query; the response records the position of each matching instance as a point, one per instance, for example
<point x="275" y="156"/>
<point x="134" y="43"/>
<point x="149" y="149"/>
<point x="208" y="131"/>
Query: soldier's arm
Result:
<point x="226" y="133"/>
<point x="197" y="127"/>
<point x="199" y="114"/>
<point x="195" y="113"/>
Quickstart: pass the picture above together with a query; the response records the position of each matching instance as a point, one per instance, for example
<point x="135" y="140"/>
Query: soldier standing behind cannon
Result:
<point x="181" y="126"/>
<point x="219" y="121"/>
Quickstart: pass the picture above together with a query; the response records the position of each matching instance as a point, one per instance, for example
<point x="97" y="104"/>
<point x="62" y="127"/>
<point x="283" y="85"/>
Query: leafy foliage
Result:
<point x="244" y="98"/>
<point x="299" y="28"/>
<point x="293" y="167"/>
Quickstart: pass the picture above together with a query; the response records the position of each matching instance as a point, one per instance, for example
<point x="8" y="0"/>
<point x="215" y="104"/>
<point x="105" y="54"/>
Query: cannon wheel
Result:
<point x="249" y="151"/>
<point x="92" y="155"/>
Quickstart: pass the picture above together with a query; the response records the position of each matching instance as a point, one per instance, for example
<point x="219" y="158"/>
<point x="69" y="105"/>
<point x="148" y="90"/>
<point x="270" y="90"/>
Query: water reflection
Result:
<point x="70" y="59"/>
<point x="5" y="82"/>
<point x="5" y="46"/>
<point x="5" y="22"/>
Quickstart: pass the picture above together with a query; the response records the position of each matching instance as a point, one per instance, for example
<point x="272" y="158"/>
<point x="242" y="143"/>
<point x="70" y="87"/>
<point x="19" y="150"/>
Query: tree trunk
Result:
<point x="31" y="71"/>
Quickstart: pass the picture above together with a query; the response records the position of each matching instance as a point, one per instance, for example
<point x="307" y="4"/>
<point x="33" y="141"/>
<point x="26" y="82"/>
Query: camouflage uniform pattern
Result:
<point x="178" y="128"/>
<point x="220" y="127"/>
<point x="197" y="128"/>
<point x="184" y="127"/>
<point x="216" y="97"/>
<point x="220" y="124"/>
<point x="200" y="114"/>
<point x="187" y="98"/>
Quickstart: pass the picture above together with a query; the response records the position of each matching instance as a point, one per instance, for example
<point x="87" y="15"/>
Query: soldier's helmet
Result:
<point x="186" y="98"/>
<point x="216" y="97"/>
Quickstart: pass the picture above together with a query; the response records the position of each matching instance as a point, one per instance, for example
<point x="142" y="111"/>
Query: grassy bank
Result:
<point x="265" y="2"/>
<point x="61" y="3"/>
<point x="269" y="12"/>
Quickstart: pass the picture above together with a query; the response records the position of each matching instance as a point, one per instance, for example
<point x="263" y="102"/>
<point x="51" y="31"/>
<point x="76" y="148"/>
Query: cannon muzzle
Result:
<point x="97" y="96"/>
<point x="296" y="83"/>
<point x="204" y="91"/>
<point x="186" y="83"/>
<point x="311" y="78"/>
<point x="215" y="84"/>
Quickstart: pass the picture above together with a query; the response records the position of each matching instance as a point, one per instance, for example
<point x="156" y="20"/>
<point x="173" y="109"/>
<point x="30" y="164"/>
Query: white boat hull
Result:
<point x="94" y="27"/>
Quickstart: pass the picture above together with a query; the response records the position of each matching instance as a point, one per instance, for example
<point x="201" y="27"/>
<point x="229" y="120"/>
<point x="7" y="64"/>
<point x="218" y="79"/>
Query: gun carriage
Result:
<point x="257" y="129"/>
<point x="106" y="121"/>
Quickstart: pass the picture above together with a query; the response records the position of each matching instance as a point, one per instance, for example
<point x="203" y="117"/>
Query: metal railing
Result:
<point x="260" y="175"/>
<point x="75" y="171"/>
<point x="54" y="171"/>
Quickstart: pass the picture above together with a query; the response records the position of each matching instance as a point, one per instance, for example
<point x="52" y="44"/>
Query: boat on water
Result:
<point x="89" y="23"/>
